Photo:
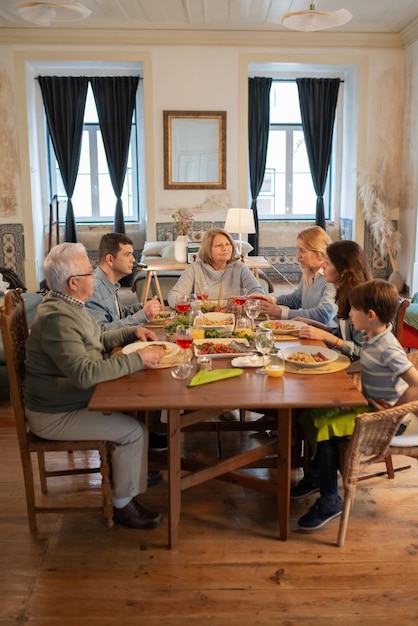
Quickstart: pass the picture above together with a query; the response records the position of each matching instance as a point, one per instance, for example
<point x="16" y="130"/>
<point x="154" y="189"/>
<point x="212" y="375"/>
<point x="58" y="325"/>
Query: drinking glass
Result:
<point x="202" y="292"/>
<point x="240" y="297"/>
<point x="183" y="304"/>
<point x="253" y="309"/>
<point x="275" y="366"/>
<point x="264" y="342"/>
<point x="184" y="339"/>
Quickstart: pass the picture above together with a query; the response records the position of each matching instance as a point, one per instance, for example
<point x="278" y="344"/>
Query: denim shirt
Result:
<point x="103" y="305"/>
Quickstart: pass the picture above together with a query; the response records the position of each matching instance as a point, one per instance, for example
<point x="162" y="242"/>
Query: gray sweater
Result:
<point x="66" y="357"/>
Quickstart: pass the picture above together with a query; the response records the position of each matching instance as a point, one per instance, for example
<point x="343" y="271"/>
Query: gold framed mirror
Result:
<point x="194" y="149"/>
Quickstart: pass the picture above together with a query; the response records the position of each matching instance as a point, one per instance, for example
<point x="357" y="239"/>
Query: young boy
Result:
<point x="388" y="378"/>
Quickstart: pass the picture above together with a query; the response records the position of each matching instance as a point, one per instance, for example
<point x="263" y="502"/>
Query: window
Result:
<point x="94" y="199"/>
<point x="287" y="192"/>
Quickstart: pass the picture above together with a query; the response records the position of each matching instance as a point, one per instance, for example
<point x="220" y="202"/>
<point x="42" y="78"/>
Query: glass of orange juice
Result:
<point x="275" y="365"/>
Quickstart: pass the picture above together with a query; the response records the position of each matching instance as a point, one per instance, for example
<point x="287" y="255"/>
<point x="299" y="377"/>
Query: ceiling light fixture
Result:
<point x="311" y="20"/>
<point x="45" y="13"/>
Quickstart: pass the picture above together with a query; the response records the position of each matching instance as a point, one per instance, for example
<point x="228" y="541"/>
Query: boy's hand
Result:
<point x="380" y="405"/>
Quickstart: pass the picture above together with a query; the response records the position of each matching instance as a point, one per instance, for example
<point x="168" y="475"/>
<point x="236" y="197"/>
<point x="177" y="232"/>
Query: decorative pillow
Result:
<point x="246" y="247"/>
<point x="154" y="248"/>
<point x="168" y="251"/>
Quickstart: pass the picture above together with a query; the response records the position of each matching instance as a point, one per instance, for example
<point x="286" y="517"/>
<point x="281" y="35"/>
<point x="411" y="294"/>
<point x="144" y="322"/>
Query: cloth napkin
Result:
<point x="203" y="377"/>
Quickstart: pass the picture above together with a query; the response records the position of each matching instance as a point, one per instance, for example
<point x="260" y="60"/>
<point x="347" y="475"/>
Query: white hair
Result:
<point x="61" y="263"/>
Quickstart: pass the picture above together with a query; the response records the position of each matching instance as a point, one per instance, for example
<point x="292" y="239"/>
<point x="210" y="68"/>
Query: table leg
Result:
<point x="284" y="443"/>
<point x="158" y="288"/>
<point x="145" y="290"/>
<point x="174" y="476"/>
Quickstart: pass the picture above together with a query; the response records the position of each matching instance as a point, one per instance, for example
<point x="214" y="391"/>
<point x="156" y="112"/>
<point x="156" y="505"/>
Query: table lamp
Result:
<point x="240" y="221"/>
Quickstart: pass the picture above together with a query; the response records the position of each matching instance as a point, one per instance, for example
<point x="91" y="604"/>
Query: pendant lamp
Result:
<point x="45" y="13"/>
<point x="311" y="19"/>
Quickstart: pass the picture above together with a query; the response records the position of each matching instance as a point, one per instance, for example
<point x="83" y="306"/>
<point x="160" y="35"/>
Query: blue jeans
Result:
<point x="326" y="461"/>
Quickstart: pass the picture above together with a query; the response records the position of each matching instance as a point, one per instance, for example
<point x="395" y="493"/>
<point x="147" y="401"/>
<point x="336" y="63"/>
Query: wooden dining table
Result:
<point x="151" y="390"/>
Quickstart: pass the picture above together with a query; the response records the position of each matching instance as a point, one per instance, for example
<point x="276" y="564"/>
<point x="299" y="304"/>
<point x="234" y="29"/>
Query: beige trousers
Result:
<point x="129" y="437"/>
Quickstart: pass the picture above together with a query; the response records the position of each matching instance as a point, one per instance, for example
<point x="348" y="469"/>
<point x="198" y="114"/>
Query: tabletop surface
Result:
<point x="156" y="389"/>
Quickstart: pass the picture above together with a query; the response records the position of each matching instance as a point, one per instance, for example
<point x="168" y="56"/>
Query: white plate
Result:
<point x="216" y="321"/>
<point x="248" y="361"/>
<point x="330" y="355"/>
<point x="244" y="342"/>
<point x="278" y="324"/>
<point x="169" y="348"/>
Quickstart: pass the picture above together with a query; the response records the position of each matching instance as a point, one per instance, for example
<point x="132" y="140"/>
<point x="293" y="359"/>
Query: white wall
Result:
<point x="203" y="77"/>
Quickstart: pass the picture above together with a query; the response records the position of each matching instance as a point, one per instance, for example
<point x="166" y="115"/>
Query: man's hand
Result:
<point x="144" y="334"/>
<point x="151" y="356"/>
<point x="152" y="307"/>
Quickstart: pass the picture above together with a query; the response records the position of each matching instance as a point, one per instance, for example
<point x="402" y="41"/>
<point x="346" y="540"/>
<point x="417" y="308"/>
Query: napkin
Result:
<point x="203" y="377"/>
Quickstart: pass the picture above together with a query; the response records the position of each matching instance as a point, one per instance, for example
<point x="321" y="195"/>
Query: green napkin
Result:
<point x="203" y="377"/>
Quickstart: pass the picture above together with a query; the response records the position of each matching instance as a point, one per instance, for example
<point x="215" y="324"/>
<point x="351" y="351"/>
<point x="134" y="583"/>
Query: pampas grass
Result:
<point x="379" y="196"/>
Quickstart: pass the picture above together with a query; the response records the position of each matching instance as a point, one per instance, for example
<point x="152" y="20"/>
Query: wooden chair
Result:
<point x="14" y="331"/>
<point x="374" y="435"/>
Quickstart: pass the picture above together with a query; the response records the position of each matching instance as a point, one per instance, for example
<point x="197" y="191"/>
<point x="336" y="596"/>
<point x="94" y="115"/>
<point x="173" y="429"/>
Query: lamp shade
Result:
<point x="312" y="20"/>
<point x="240" y="221"/>
<point x="44" y="13"/>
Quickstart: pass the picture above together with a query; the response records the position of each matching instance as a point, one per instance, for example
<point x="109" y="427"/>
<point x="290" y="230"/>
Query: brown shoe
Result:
<point x="135" y="515"/>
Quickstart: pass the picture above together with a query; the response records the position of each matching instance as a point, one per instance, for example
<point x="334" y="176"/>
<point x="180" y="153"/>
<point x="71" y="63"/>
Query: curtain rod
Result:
<point x="290" y="80"/>
<point x="89" y="77"/>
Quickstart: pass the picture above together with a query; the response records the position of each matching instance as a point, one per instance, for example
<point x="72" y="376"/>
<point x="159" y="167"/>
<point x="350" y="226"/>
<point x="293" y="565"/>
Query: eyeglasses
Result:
<point x="91" y="273"/>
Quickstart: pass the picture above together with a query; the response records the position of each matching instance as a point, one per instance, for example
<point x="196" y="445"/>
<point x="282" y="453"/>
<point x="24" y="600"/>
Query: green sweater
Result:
<point x="66" y="357"/>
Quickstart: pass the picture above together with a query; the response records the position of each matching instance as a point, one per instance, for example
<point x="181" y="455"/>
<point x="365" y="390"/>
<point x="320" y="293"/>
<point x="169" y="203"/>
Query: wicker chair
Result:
<point x="374" y="435"/>
<point x="14" y="331"/>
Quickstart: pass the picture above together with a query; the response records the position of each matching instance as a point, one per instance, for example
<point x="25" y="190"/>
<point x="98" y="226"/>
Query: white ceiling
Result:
<point x="375" y="16"/>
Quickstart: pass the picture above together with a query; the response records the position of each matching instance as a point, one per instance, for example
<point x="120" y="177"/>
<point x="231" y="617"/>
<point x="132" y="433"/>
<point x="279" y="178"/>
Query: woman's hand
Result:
<point x="144" y="334"/>
<point x="151" y="356"/>
<point x="311" y="332"/>
<point x="262" y="296"/>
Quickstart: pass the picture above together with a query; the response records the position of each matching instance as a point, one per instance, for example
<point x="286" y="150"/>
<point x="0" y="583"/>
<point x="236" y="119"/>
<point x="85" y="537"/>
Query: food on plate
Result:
<point x="275" y="325"/>
<point x="219" y="321"/>
<point x="303" y="357"/>
<point x="209" y="347"/>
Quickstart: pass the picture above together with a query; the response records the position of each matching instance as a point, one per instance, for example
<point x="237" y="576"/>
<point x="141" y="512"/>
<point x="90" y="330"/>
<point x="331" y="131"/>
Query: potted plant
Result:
<point x="182" y="224"/>
<point x="379" y="197"/>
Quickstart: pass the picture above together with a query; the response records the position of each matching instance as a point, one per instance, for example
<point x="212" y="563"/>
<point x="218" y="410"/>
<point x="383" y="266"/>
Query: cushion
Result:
<point x="155" y="248"/>
<point x="168" y="251"/>
<point x="246" y="247"/>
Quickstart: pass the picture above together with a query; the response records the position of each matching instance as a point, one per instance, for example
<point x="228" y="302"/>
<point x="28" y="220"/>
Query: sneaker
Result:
<point x="323" y="511"/>
<point x="157" y="442"/>
<point x="305" y="487"/>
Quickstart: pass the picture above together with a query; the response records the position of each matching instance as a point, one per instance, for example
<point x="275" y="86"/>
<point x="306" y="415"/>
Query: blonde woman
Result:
<point x="313" y="298"/>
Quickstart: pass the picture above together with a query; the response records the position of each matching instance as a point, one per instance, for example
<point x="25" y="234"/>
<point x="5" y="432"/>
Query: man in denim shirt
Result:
<point x="116" y="260"/>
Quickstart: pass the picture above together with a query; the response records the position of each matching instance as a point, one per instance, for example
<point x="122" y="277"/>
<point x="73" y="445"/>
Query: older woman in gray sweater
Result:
<point x="66" y="356"/>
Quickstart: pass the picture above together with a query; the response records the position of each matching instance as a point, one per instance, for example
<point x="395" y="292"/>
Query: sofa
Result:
<point x="31" y="301"/>
<point x="168" y="278"/>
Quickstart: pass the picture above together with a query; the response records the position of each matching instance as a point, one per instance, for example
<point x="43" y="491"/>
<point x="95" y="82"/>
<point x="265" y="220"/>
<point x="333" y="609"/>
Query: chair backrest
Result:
<point x="14" y="330"/>
<point x="372" y="435"/>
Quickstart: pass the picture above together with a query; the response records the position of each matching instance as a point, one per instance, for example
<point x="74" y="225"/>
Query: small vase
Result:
<point x="180" y="248"/>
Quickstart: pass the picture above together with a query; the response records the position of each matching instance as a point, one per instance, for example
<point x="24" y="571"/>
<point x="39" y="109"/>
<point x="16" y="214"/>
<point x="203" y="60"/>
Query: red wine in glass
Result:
<point x="240" y="300"/>
<point x="182" y="307"/>
<point x="202" y="296"/>
<point x="184" y="341"/>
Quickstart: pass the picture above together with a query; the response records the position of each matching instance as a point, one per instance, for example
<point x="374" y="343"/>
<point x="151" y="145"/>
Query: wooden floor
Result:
<point x="229" y="568"/>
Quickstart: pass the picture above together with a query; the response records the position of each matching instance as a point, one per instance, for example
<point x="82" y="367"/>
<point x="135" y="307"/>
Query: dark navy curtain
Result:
<point x="64" y="101"/>
<point x="115" y="102"/>
<point x="318" y="102"/>
<point x="258" y="135"/>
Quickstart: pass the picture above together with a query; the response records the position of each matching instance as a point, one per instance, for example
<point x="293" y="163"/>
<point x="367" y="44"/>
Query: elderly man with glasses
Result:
<point x="66" y="356"/>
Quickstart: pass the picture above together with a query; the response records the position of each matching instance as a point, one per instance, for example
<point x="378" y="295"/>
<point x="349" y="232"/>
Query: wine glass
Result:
<point x="183" y="304"/>
<point x="253" y="309"/>
<point x="240" y="297"/>
<point x="264" y="342"/>
<point x="184" y="339"/>
<point x="202" y="292"/>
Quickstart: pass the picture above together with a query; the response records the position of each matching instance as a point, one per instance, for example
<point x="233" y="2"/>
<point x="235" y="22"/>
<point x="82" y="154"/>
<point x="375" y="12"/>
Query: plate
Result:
<point x="225" y="342"/>
<point x="330" y="355"/>
<point x="218" y="321"/>
<point x="252" y="360"/>
<point x="285" y="327"/>
<point x="169" y="348"/>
